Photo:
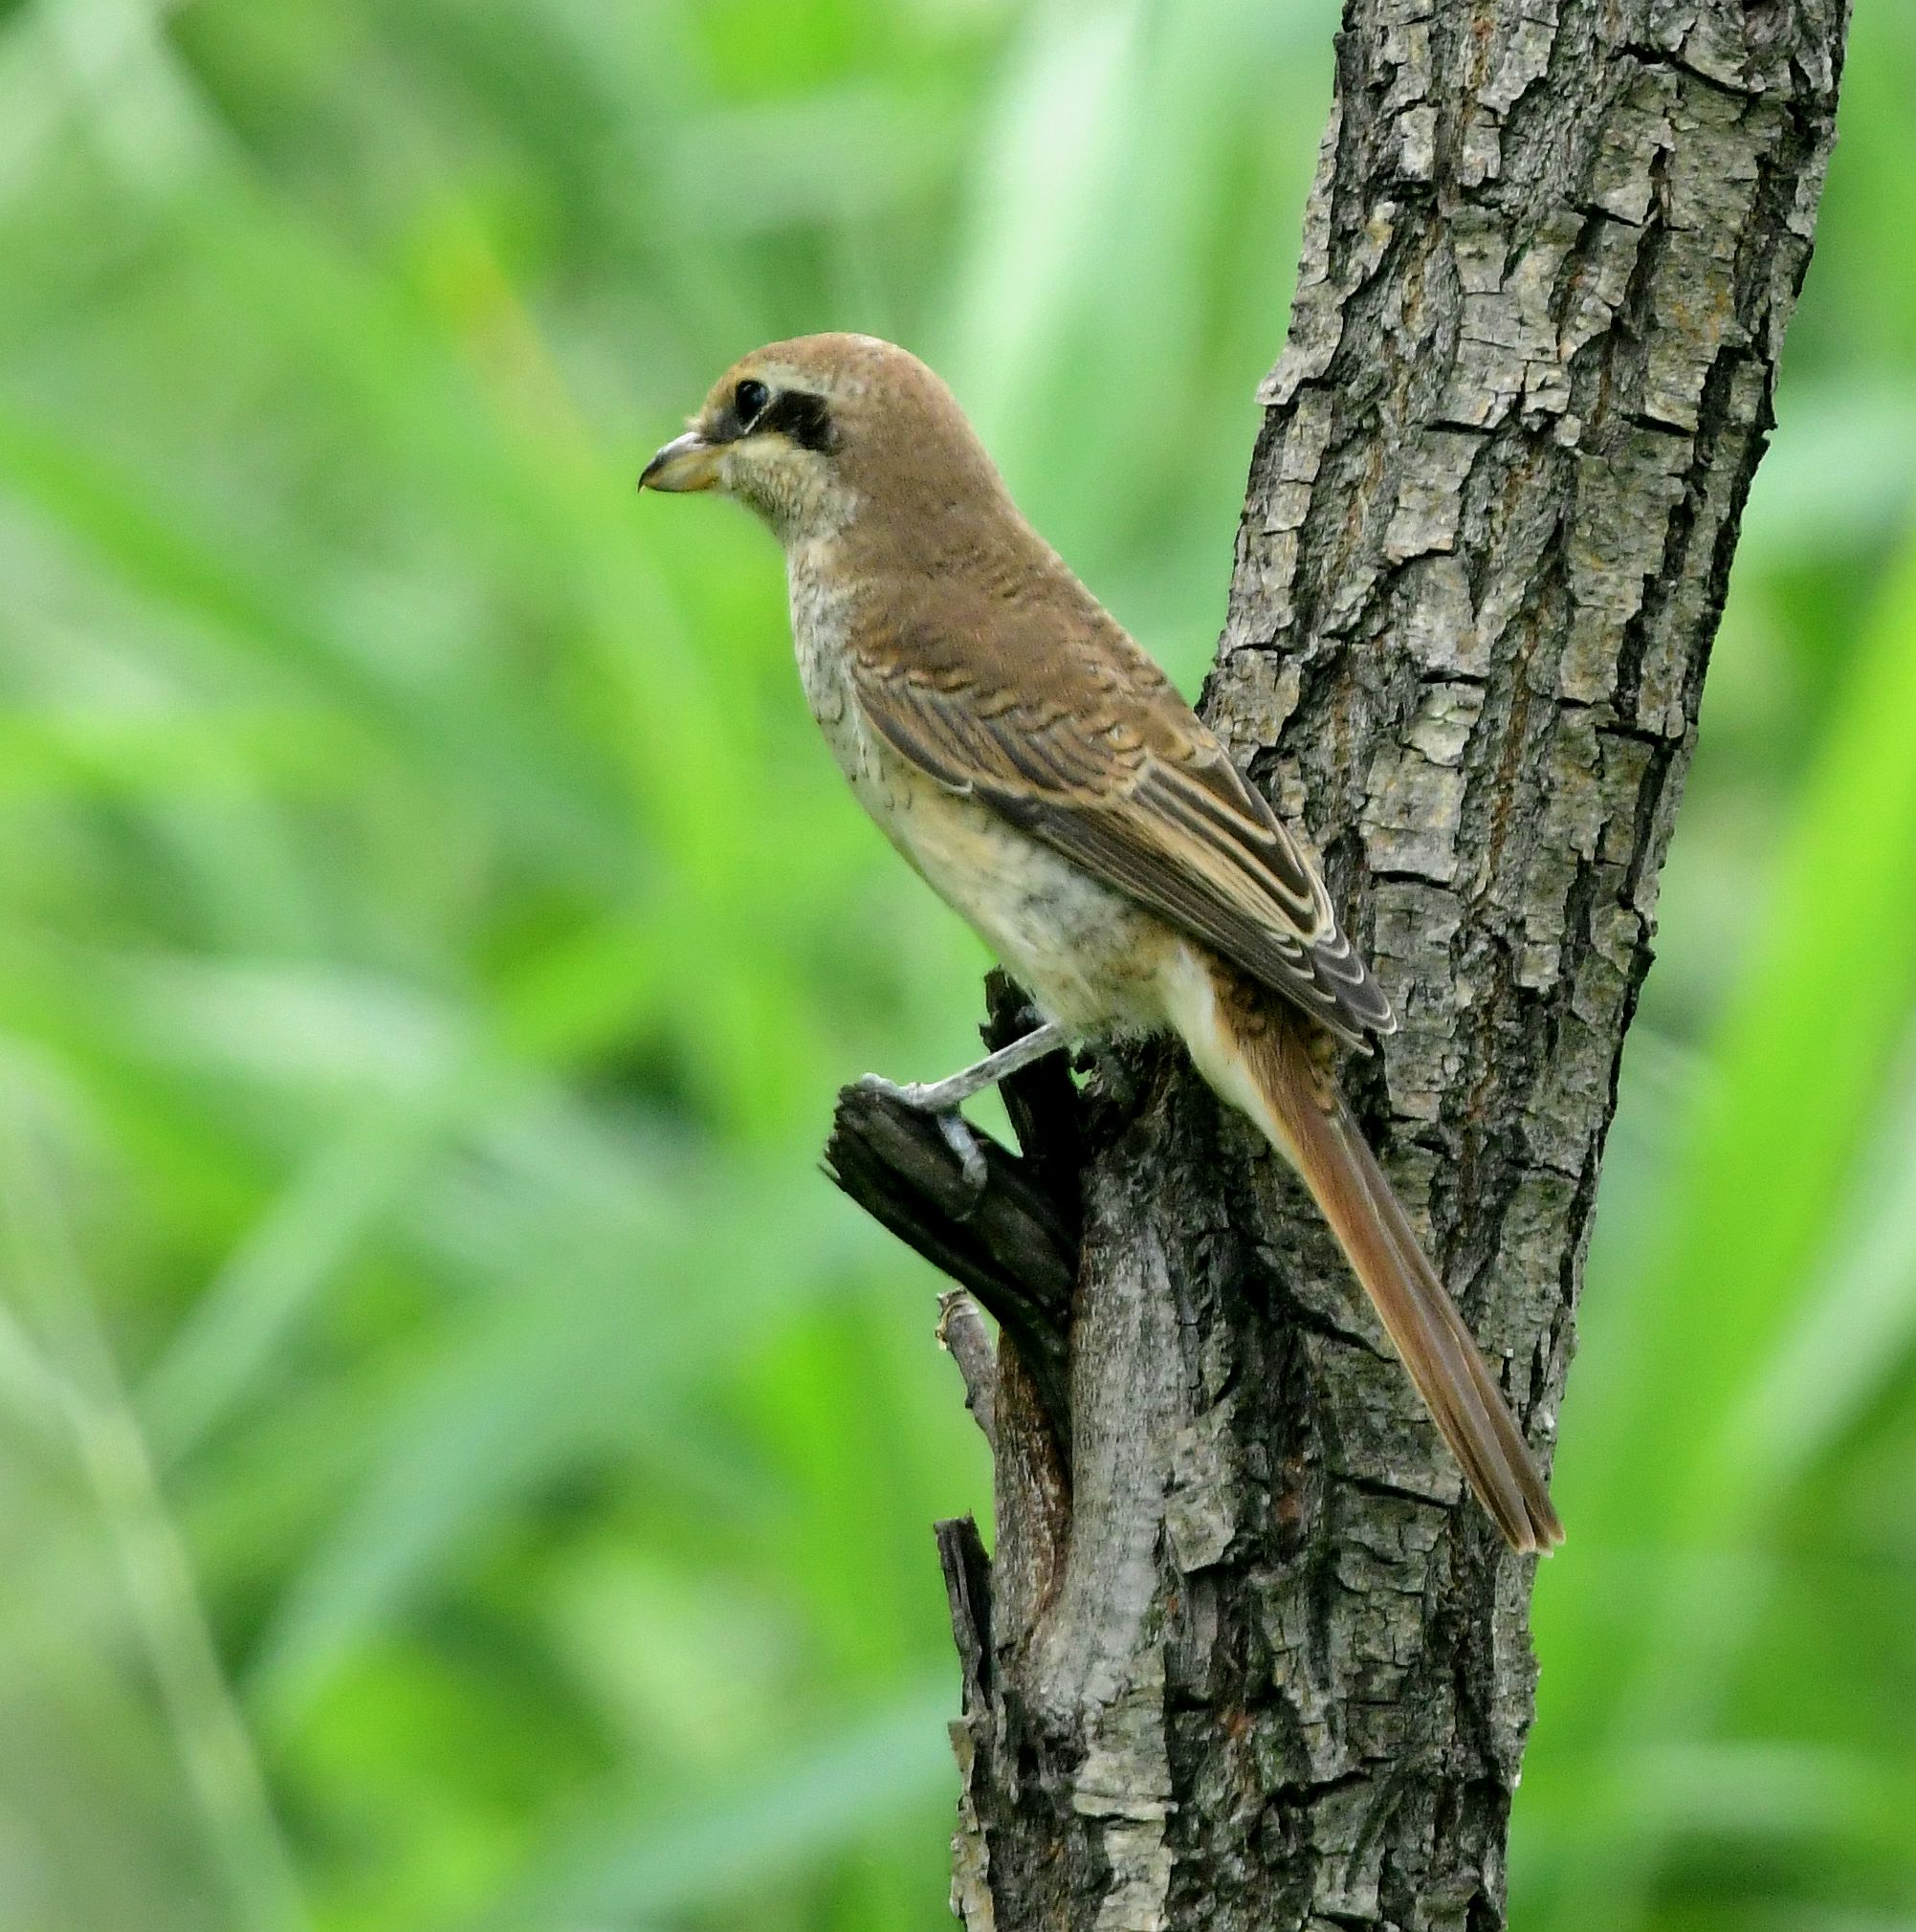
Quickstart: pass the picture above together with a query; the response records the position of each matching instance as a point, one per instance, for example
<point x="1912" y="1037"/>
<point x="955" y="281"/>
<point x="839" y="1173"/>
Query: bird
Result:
<point x="1041" y="774"/>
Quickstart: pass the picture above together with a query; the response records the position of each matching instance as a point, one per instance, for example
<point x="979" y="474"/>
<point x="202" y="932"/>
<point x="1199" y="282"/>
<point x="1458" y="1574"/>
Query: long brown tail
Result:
<point x="1307" y="1120"/>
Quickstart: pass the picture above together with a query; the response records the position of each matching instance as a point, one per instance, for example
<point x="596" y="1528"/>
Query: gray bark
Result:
<point x="1245" y="1656"/>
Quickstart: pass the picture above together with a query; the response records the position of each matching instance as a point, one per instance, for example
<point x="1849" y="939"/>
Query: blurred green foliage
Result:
<point x="459" y="1466"/>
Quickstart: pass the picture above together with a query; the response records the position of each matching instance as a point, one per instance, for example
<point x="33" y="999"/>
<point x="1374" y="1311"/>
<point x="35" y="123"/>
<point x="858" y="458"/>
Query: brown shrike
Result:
<point x="1042" y="775"/>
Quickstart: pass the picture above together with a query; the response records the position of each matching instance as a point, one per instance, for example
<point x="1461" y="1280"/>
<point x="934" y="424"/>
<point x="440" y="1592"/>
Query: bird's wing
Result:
<point x="1060" y="723"/>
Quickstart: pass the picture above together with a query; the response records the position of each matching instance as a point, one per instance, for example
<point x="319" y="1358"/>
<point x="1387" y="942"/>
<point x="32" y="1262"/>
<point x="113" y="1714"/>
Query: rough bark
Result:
<point x="1244" y="1656"/>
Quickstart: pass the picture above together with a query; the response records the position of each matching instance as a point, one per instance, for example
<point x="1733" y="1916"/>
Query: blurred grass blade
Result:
<point x="1046" y="159"/>
<point x="609" y="1322"/>
<point x="285" y="1261"/>
<point x="1855" y="1333"/>
<point x="162" y="1608"/>
<point x="669" y="1860"/>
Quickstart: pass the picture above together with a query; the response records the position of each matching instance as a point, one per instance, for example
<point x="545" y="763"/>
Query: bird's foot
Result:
<point x="941" y="1098"/>
<point x="937" y="1101"/>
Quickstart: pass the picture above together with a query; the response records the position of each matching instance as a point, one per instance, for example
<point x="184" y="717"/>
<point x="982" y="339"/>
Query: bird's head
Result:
<point x="821" y="430"/>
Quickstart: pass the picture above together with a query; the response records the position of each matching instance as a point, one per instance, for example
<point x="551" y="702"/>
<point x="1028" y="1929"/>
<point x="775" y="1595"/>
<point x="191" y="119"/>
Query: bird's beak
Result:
<point x="688" y="461"/>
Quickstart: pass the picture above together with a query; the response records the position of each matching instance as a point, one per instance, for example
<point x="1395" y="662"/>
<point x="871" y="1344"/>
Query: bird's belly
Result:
<point x="1089" y="956"/>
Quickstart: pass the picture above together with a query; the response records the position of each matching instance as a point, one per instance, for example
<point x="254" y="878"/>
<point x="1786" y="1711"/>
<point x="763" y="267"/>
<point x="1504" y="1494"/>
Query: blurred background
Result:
<point x="460" y="1465"/>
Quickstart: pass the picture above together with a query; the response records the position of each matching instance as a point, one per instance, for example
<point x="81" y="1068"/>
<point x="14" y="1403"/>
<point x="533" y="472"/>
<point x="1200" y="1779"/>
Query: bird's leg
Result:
<point x="947" y="1095"/>
<point x="943" y="1098"/>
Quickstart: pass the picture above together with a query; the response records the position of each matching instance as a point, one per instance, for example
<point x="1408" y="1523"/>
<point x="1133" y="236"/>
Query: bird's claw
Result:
<point x="963" y="1142"/>
<point x="952" y="1123"/>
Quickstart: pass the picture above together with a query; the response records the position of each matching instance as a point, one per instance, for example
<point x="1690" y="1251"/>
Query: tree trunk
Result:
<point x="1247" y="1656"/>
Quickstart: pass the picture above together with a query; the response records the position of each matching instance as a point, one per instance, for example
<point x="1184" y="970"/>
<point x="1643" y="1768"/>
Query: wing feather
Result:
<point x="1084" y="745"/>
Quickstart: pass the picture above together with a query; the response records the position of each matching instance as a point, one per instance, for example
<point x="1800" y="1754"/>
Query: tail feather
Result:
<point x="1307" y="1120"/>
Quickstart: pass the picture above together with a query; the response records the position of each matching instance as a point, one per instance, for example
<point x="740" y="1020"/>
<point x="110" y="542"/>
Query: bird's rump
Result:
<point x="1057" y="721"/>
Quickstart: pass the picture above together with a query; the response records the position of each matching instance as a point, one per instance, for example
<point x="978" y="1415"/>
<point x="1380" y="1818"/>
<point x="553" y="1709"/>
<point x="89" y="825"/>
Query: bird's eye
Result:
<point x="748" y="399"/>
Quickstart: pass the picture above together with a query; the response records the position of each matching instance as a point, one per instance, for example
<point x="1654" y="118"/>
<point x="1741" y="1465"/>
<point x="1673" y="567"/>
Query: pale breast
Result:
<point x="820" y="619"/>
<point x="1089" y="956"/>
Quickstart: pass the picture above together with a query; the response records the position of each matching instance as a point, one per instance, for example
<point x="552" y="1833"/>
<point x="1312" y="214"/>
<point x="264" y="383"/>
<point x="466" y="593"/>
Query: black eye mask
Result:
<point x="800" y="414"/>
